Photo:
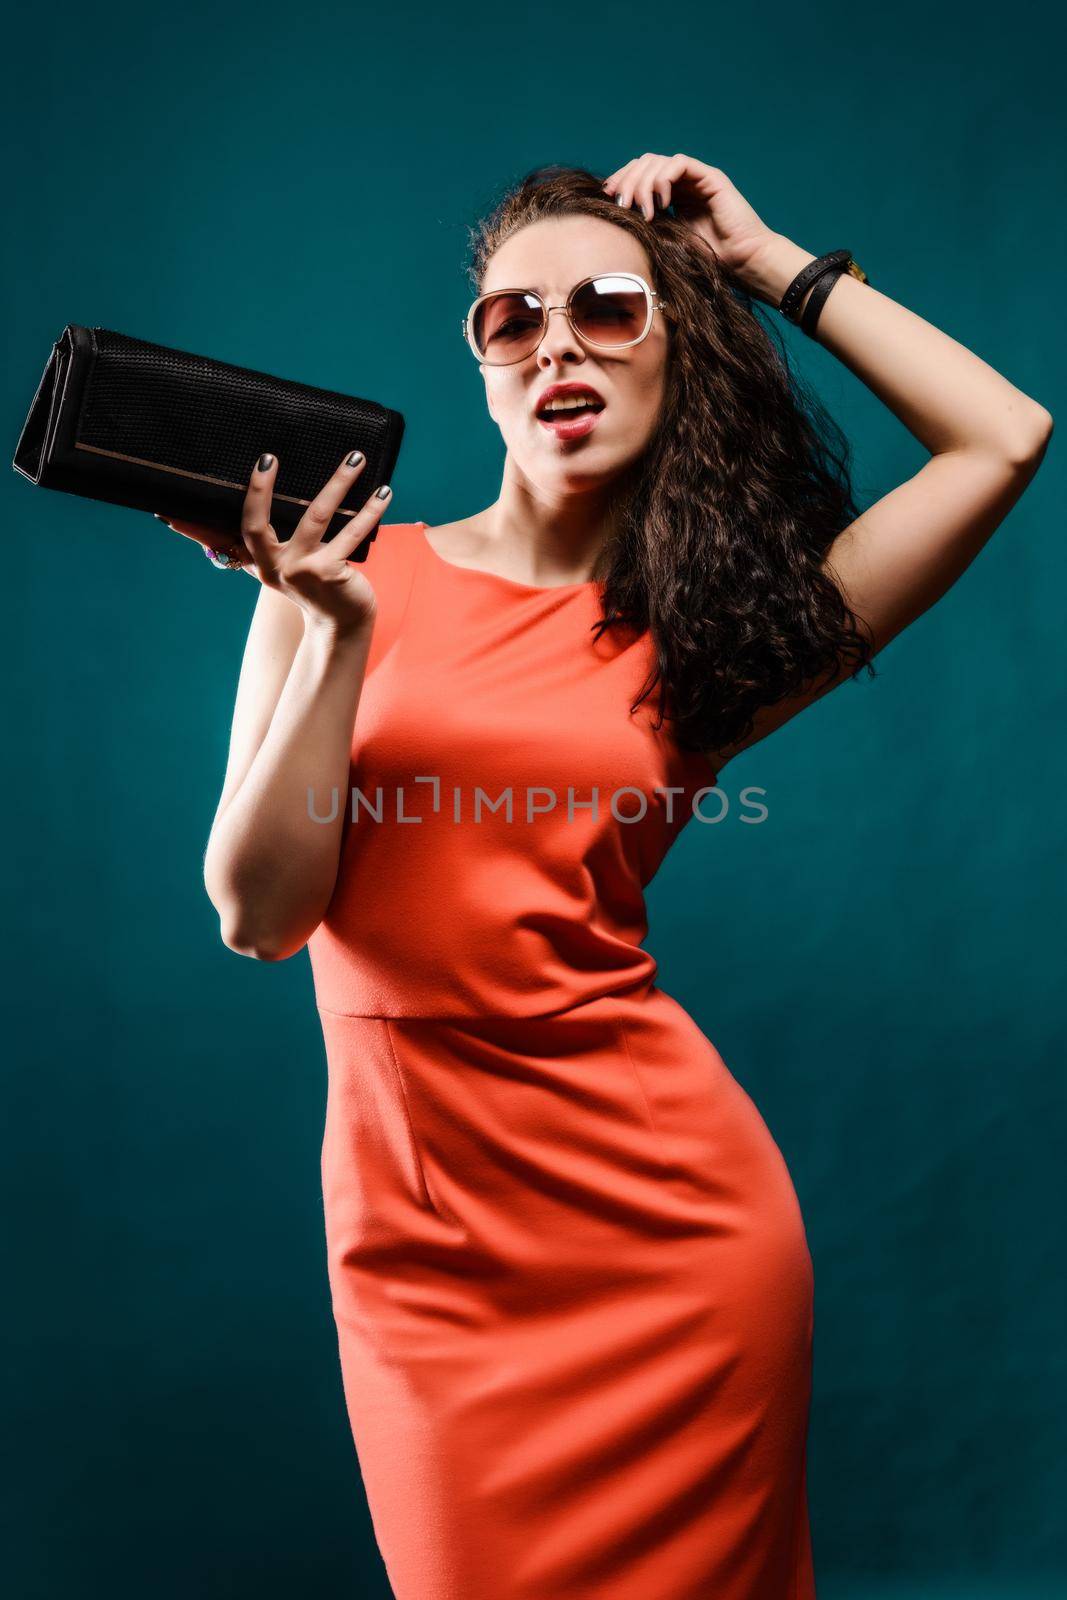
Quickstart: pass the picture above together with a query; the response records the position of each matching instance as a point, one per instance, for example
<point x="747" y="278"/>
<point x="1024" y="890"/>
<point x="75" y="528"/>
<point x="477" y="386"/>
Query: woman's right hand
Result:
<point x="314" y="573"/>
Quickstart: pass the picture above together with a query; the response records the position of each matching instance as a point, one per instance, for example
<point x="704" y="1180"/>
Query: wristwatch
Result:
<point x="835" y="262"/>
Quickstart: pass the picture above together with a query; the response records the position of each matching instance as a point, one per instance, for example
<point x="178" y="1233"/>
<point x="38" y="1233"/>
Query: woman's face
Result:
<point x="552" y="256"/>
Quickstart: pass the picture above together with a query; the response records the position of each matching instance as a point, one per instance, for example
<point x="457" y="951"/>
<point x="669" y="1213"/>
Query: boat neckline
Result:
<point x="498" y="577"/>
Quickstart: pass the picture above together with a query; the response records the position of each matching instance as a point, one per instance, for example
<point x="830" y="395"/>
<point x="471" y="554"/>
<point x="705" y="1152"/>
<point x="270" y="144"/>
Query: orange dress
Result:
<point x="569" y="1273"/>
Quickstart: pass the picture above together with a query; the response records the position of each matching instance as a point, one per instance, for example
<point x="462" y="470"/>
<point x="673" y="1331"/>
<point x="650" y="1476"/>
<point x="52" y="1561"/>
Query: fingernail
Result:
<point x="158" y="517"/>
<point x="384" y="492"/>
<point x="354" y="459"/>
<point x="265" y="463"/>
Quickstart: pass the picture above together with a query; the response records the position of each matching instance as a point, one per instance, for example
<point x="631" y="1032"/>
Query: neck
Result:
<point x="543" y="539"/>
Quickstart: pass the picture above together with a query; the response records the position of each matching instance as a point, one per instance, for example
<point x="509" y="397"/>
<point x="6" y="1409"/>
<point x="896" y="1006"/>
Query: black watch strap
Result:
<point x="804" y="279"/>
<point x="817" y="298"/>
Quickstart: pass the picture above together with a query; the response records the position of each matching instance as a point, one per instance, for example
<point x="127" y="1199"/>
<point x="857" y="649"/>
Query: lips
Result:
<point x="571" y="425"/>
<point x="559" y="391"/>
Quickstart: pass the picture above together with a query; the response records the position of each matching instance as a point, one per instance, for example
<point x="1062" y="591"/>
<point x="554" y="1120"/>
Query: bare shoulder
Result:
<point x="459" y="542"/>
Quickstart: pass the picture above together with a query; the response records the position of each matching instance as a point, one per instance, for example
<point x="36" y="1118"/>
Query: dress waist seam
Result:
<point x="643" y="993"/>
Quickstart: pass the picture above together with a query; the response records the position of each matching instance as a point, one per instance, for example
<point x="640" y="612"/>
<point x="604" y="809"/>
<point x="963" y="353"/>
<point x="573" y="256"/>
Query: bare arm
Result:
<point x="269" y="868"/>
<point x="985" y="436"/>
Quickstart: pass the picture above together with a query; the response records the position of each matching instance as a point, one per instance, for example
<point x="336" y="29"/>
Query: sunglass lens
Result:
<point x="507" y="326"/>
<point x="610" y="310"/>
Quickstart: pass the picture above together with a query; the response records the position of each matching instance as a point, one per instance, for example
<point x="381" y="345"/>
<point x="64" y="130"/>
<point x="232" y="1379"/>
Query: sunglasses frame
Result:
<point x="652" y="302"/>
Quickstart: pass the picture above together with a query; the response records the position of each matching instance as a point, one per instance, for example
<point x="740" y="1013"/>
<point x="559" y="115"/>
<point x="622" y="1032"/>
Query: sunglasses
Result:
<point x="610" y="312"/>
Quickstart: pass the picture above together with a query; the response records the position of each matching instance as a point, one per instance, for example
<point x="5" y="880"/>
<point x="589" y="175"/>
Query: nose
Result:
<point x="560" y="341"/>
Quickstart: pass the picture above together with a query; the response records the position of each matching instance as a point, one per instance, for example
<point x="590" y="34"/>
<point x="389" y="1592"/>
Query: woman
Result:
<point x="571" y="1282"/>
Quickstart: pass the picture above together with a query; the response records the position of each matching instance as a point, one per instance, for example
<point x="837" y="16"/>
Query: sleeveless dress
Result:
<point x="569" y="1274"/>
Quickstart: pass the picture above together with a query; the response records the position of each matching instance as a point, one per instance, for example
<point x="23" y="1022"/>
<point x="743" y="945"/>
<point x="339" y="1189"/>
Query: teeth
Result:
<point x="569" y="403"/>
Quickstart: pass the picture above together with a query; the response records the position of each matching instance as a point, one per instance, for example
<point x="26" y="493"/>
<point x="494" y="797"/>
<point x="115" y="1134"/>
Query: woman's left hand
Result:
<point x="703" y="198"/>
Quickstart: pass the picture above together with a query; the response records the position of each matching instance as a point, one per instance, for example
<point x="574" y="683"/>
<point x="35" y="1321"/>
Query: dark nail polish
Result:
<point x="354" y="459"/>
<point x="264" y="463"/>
<point x="383" y="492"/>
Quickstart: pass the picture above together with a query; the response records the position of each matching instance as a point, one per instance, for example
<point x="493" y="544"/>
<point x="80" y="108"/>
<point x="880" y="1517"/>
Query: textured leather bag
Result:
<point x="139" y="424"/>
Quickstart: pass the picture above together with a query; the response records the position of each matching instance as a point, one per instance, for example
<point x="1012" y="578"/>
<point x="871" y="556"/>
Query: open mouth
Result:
<point x="569" y="410"/>
<point x="570" y="420"/>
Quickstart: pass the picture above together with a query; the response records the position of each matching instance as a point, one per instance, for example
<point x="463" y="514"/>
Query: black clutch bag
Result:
<point x="139" y="424"/>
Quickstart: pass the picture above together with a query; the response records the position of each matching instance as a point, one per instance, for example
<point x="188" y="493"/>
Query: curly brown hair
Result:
<point x="722" y="525"/>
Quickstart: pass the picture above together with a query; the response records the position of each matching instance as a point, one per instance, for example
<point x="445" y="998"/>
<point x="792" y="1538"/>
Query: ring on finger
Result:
<point x="224" y="559"/>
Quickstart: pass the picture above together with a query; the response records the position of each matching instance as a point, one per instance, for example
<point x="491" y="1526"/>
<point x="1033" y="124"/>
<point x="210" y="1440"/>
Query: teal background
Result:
<point x="879" y="963"/>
